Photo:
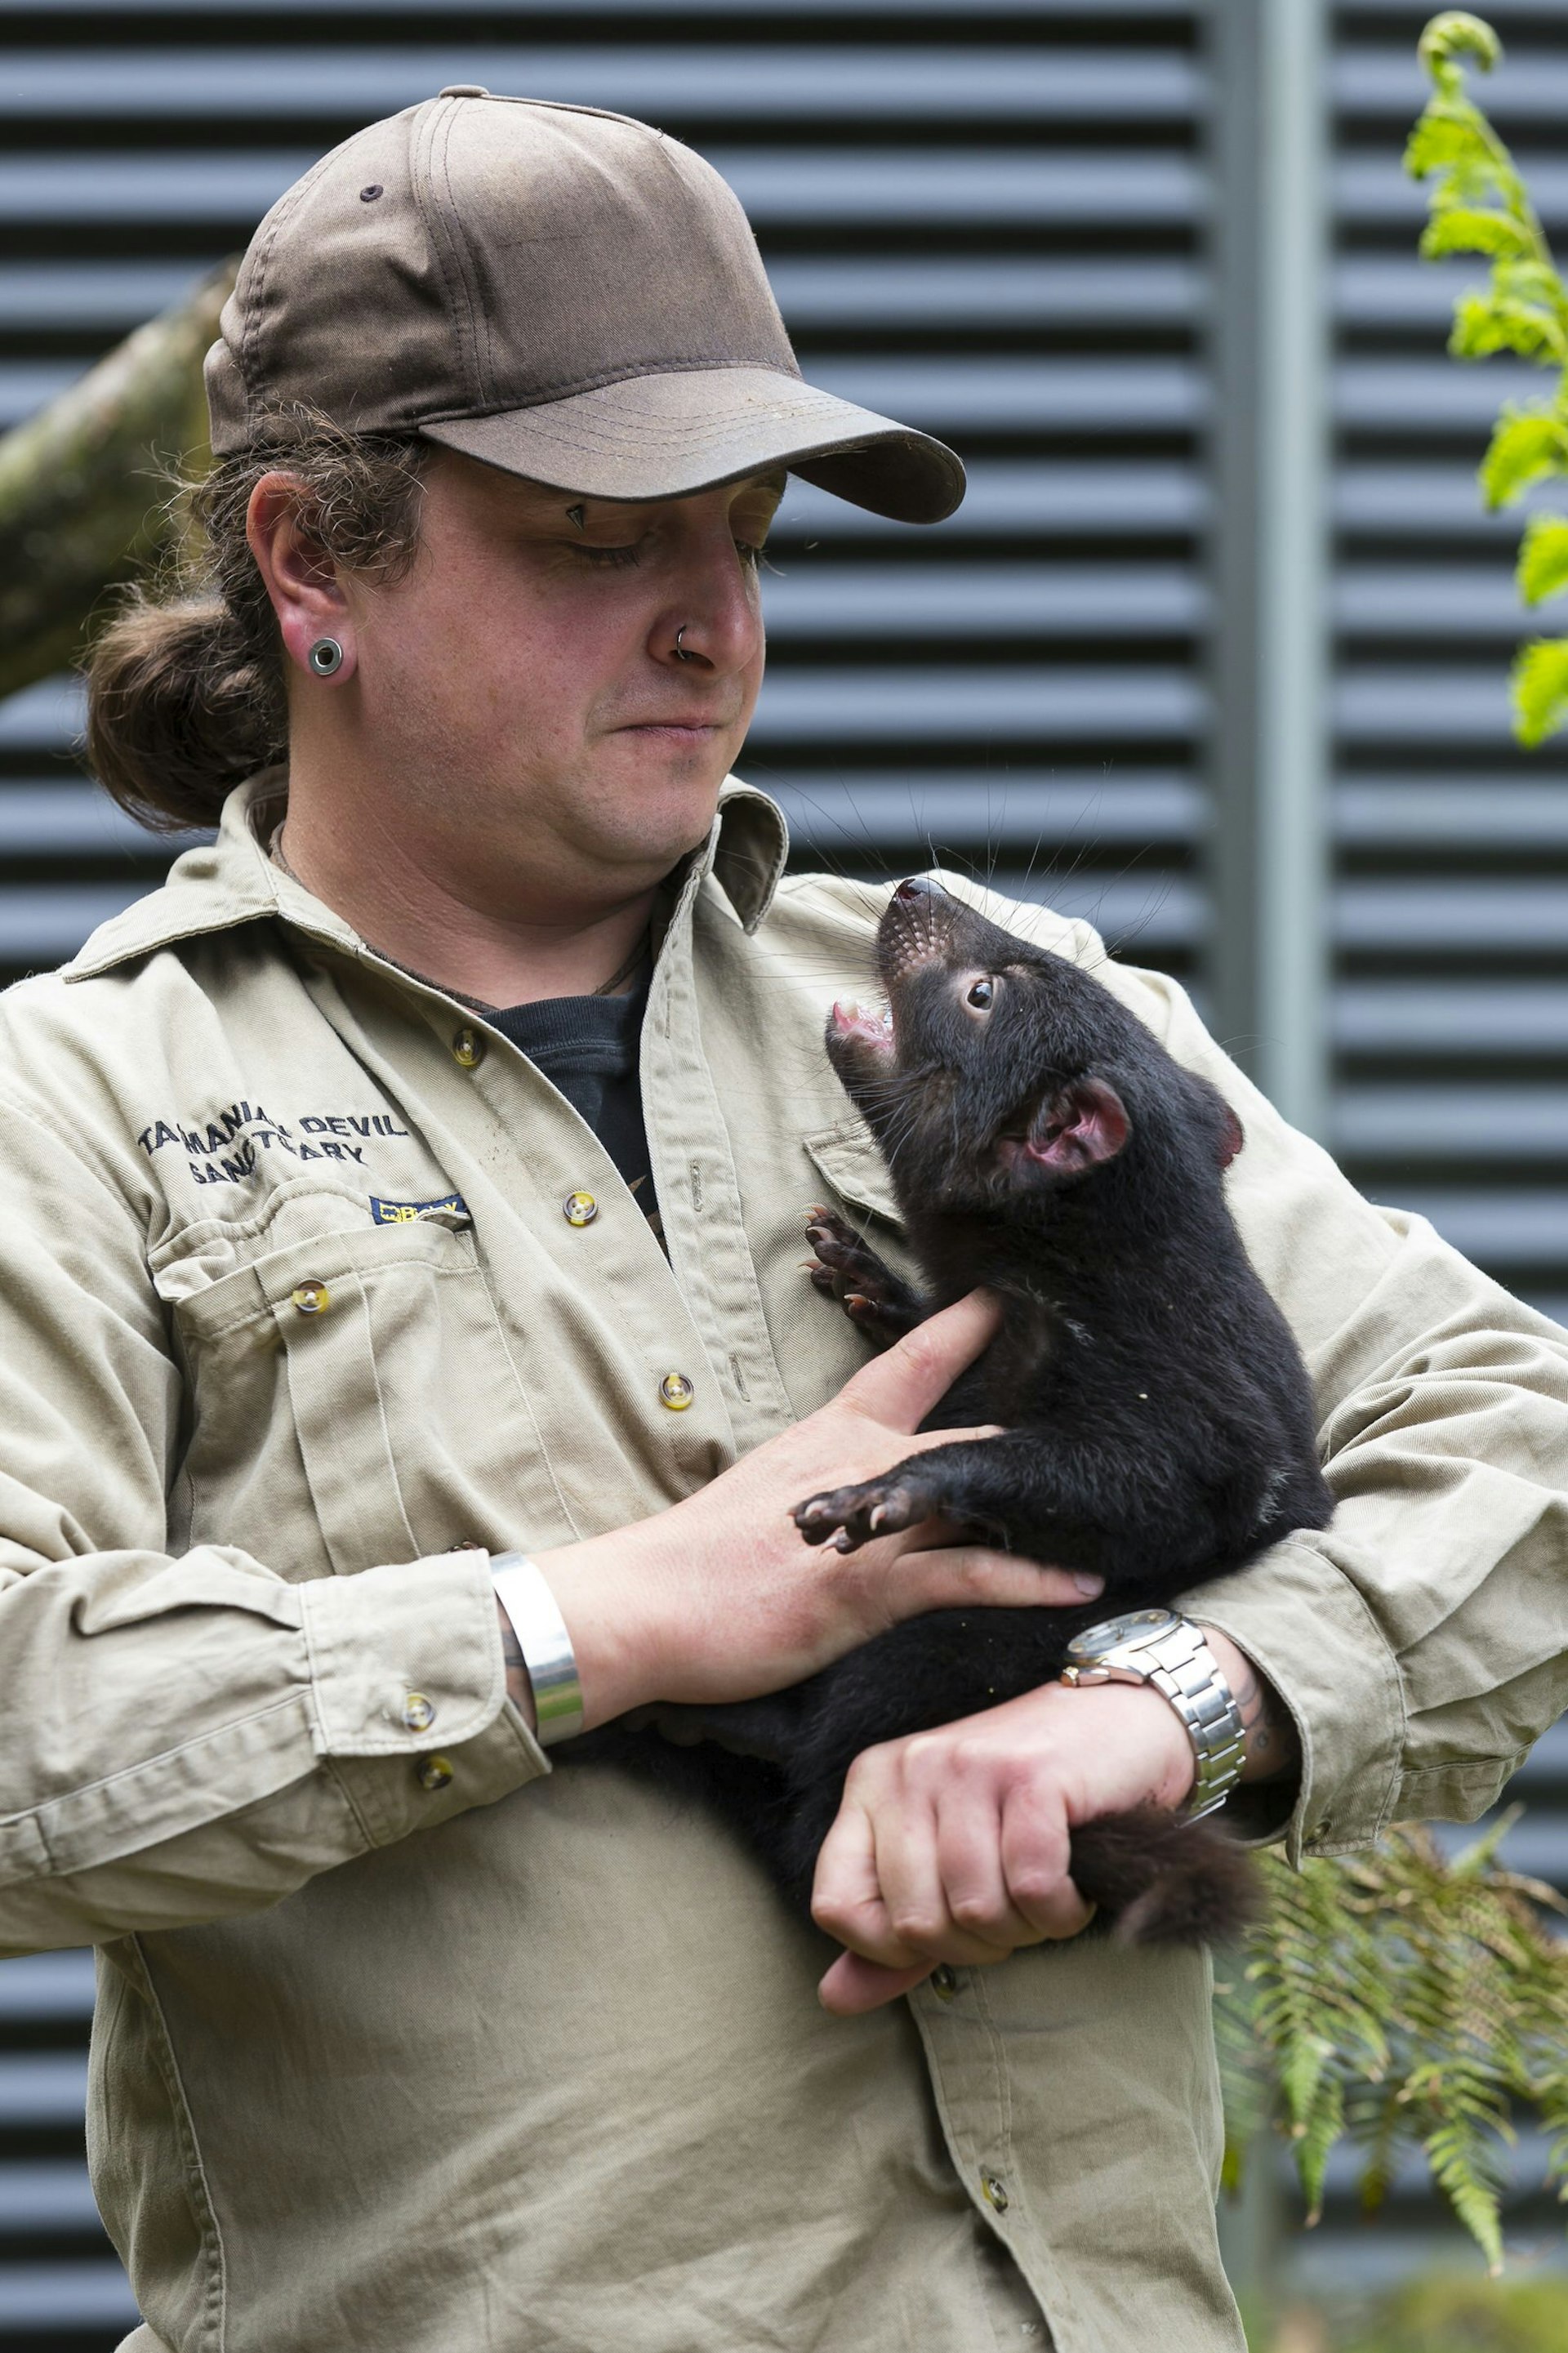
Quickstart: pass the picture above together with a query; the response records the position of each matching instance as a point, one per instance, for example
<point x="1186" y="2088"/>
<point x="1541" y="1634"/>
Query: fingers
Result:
<point x="949" y="1846"/>
<point x="900" y="1387"/>
<point x="852" y="1986"/>
<point x="950" y="1577"/>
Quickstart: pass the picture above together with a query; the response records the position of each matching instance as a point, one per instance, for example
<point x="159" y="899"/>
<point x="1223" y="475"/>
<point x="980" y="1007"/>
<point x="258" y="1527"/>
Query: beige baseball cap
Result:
<point x="561" y="292"/>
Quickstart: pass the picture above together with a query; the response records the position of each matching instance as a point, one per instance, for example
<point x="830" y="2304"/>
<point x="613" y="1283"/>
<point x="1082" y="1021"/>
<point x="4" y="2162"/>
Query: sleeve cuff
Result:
<point x="1301" y="1618"/>
<point x="404" y="1659"/>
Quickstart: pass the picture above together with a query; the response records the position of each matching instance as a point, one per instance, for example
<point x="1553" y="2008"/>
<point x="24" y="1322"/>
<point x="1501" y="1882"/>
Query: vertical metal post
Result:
<point x="1270" y="449"/>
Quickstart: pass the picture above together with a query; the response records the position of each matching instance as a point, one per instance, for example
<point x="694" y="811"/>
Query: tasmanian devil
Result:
<point x="1159" y="1425"/>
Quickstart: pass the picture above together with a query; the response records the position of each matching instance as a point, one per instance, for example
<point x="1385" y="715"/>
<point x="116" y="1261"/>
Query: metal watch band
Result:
<point x="1180" y="1664"/>
<point x="546" y="1646"/>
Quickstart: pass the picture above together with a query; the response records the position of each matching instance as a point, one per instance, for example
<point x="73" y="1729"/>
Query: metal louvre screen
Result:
<point x="993" y="233"/>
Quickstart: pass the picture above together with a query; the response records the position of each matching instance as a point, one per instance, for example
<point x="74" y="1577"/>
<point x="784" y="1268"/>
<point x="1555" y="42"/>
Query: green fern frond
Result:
<point x="1526" y="445"/>
<point x="1538" y="685"/>
<point x="1464" y="229"/>
<point x="1454" y="34"/>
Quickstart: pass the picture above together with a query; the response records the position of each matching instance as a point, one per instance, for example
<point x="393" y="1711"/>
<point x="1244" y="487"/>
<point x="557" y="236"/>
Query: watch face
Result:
<point x="1133" y="1624"/>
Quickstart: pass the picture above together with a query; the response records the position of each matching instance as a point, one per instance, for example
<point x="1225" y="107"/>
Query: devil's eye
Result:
<point x="980" y="993"/>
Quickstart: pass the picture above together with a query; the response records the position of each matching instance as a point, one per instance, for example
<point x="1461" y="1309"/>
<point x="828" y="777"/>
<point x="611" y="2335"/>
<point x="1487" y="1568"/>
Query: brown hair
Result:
<point x="184" y="686"/>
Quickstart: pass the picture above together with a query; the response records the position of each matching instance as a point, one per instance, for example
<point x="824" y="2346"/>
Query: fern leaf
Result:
<point x="1439" y="140"/>
<point x="1542" y="560"/>
<point x="1484" y="325"/>
<point x="1454" y="34"/>
<point x="1526" y="444"/>
<point x="1464" y="228"/>
<point x="1538" y="685"/>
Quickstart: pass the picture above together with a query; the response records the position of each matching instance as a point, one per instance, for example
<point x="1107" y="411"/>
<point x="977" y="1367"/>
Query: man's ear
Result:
<point x="1085" y="1124"/>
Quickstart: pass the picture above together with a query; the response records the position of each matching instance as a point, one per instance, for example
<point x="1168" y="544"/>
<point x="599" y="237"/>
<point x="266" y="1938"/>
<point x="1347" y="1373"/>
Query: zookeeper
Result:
<point x="414" y="1185"/>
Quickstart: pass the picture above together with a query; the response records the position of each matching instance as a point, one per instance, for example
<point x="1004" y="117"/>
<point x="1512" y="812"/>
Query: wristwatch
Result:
<point x="1156" y="1646"/>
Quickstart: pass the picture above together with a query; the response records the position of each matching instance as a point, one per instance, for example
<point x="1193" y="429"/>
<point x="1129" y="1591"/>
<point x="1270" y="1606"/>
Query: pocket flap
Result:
<point x="848" y="1155"/>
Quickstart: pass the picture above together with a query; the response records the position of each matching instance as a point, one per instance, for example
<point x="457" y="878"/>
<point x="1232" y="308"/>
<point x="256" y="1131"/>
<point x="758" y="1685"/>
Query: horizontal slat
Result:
<point x="1375" y="290"/>
<point x="1091" y="497"/>
<point x="1447" y="1018"/>
<point x="973" y="292"/>
<point x="43" y="717"/>
<point x="953" y="601"/>
<point x="1466" y="1121"/>
<point x="1473" y="913"/>
<point x="1137" y="912"/>
<point x="1421" y="502"/>
<point x="1437" y="600"/>
<point x="1470" y="813"/>
<point x="1043" y="703"/>
<point x="53" y="2297"/>
<point x="228" y="191"/>
<point x="48" y="2195"/>
<point x="41" y="2090"/>
<point x="852" y="83"/>
<point x="42" y="924"/>
<point x="47" y="1986"/>
<point x="1456" y="704"/>
<point x="1433" y="396"/>
<point x="69" y="818"/>
<point x="1517" y="1228"/>
<point x="846" y="818"/>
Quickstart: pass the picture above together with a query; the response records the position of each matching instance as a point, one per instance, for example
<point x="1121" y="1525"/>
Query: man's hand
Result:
<point x="719" y="1597"/>
<point x="954" y="1845"/>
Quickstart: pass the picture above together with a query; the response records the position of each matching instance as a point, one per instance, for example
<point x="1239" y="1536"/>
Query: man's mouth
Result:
<point x="865" y="1026"/>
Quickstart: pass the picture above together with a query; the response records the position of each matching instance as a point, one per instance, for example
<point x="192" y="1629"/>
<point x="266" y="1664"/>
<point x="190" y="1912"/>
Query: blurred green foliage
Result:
<point x="1455" y="2315"/>
<point x="1478" y="204"/>
<point x="1405" y="2004"/>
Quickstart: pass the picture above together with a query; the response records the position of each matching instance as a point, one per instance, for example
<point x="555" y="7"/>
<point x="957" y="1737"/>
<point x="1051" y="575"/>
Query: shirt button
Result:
<point x="676" y="1391"/>
<point x="943" y="1983"/>
<point x="418" y="1712"/>
<point x="579" y="1208"/>
<point x="469" y="1047"/>
<point x="995" y="2191"/>
<point x="433" y="1772"/>
<point x="311" y="1297"/>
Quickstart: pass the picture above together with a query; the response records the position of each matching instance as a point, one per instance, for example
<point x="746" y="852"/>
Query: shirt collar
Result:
<point x="233" y="880"/>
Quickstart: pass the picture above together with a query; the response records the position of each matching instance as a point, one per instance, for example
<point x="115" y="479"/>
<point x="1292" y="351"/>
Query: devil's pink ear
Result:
<point x="1232" y="1136"/>
<point x="1085" y="1124"/>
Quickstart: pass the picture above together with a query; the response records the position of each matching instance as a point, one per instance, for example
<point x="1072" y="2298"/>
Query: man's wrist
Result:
<point x="1270" y="1745"/>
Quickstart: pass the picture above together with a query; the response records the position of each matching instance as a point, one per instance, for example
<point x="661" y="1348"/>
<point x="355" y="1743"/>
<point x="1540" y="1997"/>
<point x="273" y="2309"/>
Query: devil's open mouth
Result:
<point x="870" y="1028"/>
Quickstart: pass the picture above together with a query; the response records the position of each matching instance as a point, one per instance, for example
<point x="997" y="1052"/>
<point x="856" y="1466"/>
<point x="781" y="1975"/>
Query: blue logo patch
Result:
<point x="403" y="1213"/>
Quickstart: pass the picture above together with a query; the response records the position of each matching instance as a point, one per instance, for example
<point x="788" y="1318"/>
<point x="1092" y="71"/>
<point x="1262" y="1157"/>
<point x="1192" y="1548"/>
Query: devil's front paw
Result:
<point x="851" y="1516"/>
<point x="847" y="1269"/>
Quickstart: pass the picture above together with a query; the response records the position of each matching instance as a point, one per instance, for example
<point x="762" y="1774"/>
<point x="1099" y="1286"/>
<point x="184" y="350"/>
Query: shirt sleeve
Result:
<point x="1420" y="1641"/>
<point x="187" y="1738"/>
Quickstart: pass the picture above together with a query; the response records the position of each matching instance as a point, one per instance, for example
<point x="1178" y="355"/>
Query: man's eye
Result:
<point x="612" y="558"/>
<point x="980" y="993"/>
<point x="749" y="553"/>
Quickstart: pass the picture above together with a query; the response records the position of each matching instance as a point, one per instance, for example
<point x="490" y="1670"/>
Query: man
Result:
<point x="322" y="1302"/>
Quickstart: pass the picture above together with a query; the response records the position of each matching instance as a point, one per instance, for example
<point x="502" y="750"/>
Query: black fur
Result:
<point x="1158" y="1420"/>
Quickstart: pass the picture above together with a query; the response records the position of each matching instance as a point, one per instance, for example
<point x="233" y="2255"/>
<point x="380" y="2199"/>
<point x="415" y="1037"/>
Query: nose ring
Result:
<point x="681" y="652"/>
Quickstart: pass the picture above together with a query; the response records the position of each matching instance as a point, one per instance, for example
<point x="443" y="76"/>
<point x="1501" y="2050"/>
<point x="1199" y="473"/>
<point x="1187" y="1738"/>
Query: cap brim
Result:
<point x="664" y="437"/>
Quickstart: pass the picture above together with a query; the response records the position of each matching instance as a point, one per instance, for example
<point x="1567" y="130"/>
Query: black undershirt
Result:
<point x="587" y="1048"/>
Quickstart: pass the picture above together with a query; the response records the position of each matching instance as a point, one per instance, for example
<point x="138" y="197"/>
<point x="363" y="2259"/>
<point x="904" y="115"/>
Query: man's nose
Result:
<point x="713" y="623"/>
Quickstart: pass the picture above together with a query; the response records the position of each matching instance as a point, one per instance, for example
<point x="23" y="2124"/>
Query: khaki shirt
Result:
<point x="404" y="2039"/>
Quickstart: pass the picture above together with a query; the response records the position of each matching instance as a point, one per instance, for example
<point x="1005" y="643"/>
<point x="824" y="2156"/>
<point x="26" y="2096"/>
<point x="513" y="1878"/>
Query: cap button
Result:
<point x="464" y="90"/>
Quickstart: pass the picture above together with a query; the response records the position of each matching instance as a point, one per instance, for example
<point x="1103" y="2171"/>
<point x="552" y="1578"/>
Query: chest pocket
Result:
<point x="365" y="1375"/>
<point x="848" y="1155"/>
